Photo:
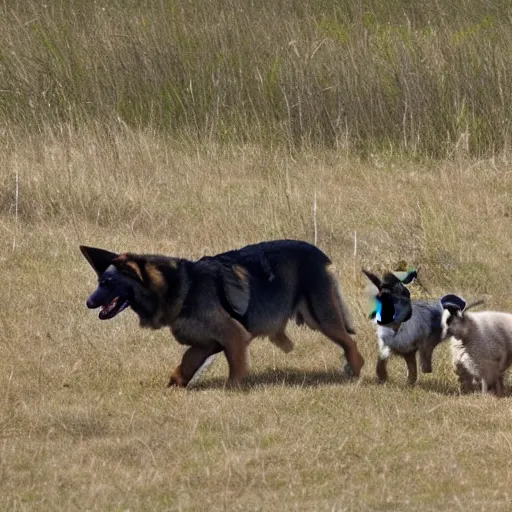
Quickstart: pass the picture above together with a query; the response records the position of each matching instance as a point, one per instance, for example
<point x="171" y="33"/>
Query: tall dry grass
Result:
<point x="401" y="76"/>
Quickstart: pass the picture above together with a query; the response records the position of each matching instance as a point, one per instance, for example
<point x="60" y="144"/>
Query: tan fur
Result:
<point x="135" y="268"/>
<point x="240" y="273"/>
<point x="176" y="379"/>
<point x="156" y="278"/>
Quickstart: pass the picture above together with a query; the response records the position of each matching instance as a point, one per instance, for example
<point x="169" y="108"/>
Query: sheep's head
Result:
<point x="454" y="321"/>
<point x="389" y="298"/>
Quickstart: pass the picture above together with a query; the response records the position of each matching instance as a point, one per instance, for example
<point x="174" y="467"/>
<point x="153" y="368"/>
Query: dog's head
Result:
<point x="116" y="282"/>
<point x="130" y="280"/>
<point x="390" y="300"/>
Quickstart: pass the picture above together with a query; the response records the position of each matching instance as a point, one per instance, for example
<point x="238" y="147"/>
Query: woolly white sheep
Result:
<point x="481" y="344"/>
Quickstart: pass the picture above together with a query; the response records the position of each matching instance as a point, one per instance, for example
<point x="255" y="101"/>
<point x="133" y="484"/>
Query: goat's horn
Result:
<point x="474" y="304"/>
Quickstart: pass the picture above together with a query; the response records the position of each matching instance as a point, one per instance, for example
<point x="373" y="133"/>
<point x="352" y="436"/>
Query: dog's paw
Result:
<point x="176" y="379"/>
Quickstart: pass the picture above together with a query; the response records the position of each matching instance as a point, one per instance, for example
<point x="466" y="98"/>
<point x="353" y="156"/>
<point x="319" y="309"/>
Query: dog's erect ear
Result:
<point x="373" y="278"/>
<point x="408" y="276"/>
<point x="236" y="287"/>
<point x="99" y="259"/>
<point x="130" y="266"/>
<point x="453" y="303"/>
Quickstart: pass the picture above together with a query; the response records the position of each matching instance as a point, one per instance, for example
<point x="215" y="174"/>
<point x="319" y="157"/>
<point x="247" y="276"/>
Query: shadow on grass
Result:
<point x="290" y="377"/>
<point x="432" y="385"/>
<point x="298" y="377"/>
<point x="295" y="377"/>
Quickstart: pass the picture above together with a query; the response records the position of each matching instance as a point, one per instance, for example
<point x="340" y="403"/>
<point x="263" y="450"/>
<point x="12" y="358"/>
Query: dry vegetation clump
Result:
<point x="420" y="78"/>
<point x="188" y="128"/>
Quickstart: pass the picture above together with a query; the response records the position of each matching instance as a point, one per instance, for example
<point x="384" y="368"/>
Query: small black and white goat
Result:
<point x="481" y="344"/>
<point x="404" y="326"/>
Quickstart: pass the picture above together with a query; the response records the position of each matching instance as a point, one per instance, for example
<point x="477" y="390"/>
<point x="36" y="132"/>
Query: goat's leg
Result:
<point x="412" y="369"/>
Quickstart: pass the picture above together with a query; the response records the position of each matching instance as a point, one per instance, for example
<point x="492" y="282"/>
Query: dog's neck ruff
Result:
<point x="163" y="314"/>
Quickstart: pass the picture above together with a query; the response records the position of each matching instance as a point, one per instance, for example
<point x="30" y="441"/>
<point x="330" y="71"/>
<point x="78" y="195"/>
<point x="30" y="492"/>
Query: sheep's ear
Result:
<point x="373" y="278"/>
<point x="453" y="303"/>
<point x="408" y="276"/>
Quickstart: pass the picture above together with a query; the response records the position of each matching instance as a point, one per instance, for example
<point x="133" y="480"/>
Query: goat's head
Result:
<point x="454" y="320"/>
<point x="390" y="300"/>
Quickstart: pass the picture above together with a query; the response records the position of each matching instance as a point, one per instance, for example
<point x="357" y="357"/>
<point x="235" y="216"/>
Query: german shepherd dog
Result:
<point x="220" y="303"/>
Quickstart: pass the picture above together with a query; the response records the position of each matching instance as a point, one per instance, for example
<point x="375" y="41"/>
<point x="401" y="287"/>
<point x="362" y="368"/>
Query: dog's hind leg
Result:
<point x="192" y="360"/>
<point x="341" y="337"/>
<point x="334" y="328"/>
<point x="326" y="312"/>
<point x="281" y="340"/>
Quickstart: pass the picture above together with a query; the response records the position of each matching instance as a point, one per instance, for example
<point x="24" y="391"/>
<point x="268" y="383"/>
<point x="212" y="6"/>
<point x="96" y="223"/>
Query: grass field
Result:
<point x="86" y="422"/>
<point x="381" y="129"/>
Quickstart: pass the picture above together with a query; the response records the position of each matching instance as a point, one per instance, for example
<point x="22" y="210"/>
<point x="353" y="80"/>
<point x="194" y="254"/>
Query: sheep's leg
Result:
<point x="491" y="379"/>
<point x="499" y="386"/>
<point x="465" y="379"/>
<point x="381" y="370"/>
<point x="412" y="369"/>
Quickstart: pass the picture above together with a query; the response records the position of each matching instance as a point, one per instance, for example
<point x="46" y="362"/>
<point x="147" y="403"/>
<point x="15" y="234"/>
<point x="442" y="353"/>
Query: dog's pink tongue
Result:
<point x="105" y="310"/>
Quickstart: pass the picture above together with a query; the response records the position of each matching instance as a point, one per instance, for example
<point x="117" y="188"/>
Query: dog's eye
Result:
<point x="106" y="281"/>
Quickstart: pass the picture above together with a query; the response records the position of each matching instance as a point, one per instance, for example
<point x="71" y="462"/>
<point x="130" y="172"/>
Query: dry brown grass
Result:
<point x="85" y="421"/>
<point x="401" y="75"/>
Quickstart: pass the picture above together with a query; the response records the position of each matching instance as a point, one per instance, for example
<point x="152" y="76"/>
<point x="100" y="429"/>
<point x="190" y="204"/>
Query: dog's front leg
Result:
<point x="235" y="342"/>
<point x="192" y="360"/>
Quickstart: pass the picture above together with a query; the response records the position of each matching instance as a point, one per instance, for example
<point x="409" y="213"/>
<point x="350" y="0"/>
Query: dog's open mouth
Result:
<point x="112" y="309"/>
